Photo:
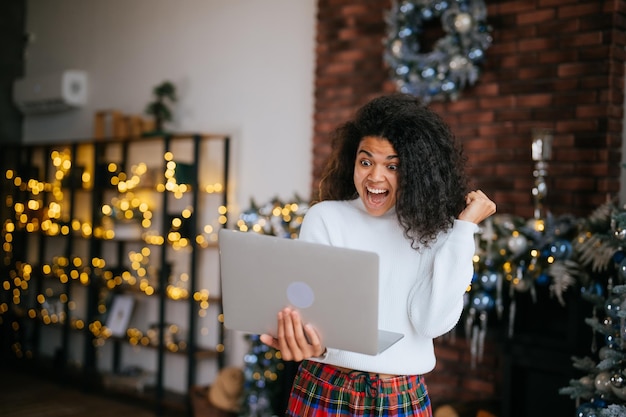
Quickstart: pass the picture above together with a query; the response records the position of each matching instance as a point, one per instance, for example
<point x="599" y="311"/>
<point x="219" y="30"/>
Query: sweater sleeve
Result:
<point x="436" y="300"/>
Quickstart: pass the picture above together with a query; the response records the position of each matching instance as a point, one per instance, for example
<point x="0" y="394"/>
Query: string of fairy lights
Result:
<point x="42" y="207"/>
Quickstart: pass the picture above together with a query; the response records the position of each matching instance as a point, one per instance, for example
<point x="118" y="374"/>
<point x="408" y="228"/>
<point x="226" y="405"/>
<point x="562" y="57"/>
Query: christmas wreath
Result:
<point x="454" y="61"/>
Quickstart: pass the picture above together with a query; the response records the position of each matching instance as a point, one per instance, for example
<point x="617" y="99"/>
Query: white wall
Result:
<point x="241" y="67"/>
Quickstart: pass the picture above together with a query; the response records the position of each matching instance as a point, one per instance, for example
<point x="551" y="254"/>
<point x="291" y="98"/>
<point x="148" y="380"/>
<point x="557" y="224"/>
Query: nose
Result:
<point x="377" y="173"/>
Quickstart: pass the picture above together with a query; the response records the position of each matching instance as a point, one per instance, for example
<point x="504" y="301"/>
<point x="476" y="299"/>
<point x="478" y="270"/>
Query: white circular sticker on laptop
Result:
<point x="300" y="294"/>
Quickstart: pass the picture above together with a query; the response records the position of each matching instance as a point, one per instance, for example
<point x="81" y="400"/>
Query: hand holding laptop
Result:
<point x="295" y="340"/>
<point x="261" y="275"/>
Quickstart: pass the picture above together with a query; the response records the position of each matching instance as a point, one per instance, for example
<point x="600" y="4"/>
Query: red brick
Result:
<point x="339" y="68"/>
<point x="558" y="26"/>
<point x="576" y="126"/>
<point x="577" y="155"/>
<point x="496" y="130"/>
<point x="535" y="100"/>
<point x="538" y="44"/>
<point x="477" y="117"/>
<point x="599" y="170"/>
<point x="513" y="168"/>
<point x="582" y="39"/>
<point x="552" y="3"/>
<point x="582" y="68"/>
<point x="513" y="7"/>
<point x="594" y="53"/>
<point x="580" y="96"/>
<point x="616" y="37"/>
<point x="512" y="115"/>
<point x="553" y="57"/>
<point x="598" y="110"/>
<point x="462" y="105"/>
<point x="551" y="114"/>
<point x="497" y="102"/>
<point x="485" y="89"/>
<point x="533" y="73"/>
<point x="538" y="16"/>
<point x="354" y="10"/>
<point x="580" y="10"/>
<point x="503" y="48"/>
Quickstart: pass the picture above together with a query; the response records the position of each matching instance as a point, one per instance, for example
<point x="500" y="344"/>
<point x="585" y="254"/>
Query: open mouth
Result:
<point x="377" y="195"/>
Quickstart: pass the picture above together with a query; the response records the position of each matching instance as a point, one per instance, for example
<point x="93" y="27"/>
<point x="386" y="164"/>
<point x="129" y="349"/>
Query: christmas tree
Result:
<point x="262" y="369"/>
<point x="599" y="247"/>
<point x="266" y="376"/>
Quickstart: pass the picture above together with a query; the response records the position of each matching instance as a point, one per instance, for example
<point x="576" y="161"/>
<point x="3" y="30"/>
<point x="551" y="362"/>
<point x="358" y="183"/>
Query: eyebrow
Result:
<point x="392" y="156"/>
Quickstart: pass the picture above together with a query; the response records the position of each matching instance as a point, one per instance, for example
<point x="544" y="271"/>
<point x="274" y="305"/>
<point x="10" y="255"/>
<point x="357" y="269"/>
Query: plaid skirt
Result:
<point x="323" y="390"/>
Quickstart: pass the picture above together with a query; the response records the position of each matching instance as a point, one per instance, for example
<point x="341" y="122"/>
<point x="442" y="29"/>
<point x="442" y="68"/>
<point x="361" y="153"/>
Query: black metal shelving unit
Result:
<point x="84" y="190"/>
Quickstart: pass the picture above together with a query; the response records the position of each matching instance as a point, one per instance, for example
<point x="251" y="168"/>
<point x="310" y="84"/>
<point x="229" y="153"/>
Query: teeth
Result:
<point x="376" y="191"/>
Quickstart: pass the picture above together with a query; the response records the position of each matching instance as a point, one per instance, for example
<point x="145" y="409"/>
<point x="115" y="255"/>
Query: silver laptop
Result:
<point x="335" y="289"/>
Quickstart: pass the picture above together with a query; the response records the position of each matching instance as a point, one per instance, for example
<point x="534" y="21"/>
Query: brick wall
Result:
<point x="557" y="64"/>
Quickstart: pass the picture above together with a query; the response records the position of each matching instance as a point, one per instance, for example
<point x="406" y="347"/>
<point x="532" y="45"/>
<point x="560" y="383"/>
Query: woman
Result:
<point x="395" y="185"/>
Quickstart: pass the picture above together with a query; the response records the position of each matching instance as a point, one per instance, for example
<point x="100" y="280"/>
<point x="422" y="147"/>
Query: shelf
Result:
<point x="199" y="352"/>
<point x="182" y="175"/>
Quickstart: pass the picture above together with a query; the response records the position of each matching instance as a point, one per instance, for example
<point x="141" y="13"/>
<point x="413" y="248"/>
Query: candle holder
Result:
<point x="541" y="153"/>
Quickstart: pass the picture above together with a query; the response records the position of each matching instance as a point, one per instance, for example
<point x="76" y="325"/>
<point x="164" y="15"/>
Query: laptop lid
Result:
<point x="335" y="289"/>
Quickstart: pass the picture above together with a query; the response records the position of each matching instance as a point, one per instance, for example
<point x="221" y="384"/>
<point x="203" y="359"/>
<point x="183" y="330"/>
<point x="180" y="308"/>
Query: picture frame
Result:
<point x="120" y="313"/>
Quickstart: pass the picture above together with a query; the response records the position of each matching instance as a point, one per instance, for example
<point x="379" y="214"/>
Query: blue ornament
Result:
<point x="543" y="279"/>
<point x="441" y="5"/>
<point x="250" y="217"/>
<point x="586" y="410"/>
<point x="428" y="73"/>
<point x="448" y="86"/>
<point x="612" y="341"/>
<point x="621" y="269"/>
<point x="561" y="249"/>
<point x="598" y="402"/>
<point x="434" y="89"/>
<point x="405" y="32"/>
<point x="250" y="359"/>
<point x="593" y="289"/>
<point x="427" y="14"/>
<point x="619" y="256"/>
<point x="407" y="7"/>
<point x="476" y="55"/>
<point x="488" y="280"/>
<point x="612" y="306"/>
<point x="482" y="301"/>
<point x="402" y="70"/>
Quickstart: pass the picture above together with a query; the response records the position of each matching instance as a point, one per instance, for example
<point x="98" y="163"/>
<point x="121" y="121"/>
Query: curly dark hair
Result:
<point x="432" y="183"/>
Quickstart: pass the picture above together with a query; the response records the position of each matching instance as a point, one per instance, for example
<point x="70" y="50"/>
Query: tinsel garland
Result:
<point x="454" y="62"/>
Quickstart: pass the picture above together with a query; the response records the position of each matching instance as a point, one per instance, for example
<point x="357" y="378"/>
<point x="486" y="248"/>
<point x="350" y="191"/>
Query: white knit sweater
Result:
<point x="421" y="292"/>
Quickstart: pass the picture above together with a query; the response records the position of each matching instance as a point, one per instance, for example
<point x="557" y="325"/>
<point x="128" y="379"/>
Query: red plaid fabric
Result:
<point x="323" y="390"/>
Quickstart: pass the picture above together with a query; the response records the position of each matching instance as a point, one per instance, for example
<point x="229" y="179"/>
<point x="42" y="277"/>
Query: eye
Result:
<point x="393" y="167"/>
<point x="365" y="162"/>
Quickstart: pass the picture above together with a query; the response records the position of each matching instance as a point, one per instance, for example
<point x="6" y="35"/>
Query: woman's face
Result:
<point x="376" y="174"/>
